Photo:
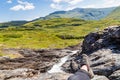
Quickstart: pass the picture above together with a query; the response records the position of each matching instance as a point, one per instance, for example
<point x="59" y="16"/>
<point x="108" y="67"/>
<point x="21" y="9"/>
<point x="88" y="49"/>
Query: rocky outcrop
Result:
<point x="97" y="40"/>
<point x="103" y="49"/>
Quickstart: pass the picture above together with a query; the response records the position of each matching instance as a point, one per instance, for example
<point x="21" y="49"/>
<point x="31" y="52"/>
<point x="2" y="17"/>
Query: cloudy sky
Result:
<point x="31" y="9"/>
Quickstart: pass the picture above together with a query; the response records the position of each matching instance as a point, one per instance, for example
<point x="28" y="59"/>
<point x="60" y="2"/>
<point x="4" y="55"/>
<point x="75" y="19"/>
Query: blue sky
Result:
<point x="31" y="9"/>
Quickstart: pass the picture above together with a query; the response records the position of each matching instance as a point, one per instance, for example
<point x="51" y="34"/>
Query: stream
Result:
<point x="57" y="67"/>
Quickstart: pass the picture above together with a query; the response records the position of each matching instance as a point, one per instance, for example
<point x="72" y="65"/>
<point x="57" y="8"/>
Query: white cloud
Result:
<point x="67" y="1"/>
<point x="56" y="6"/>
<point x="73" y="2"/>
<point x="23" y="6"/>
<point x="9" y="1"/>
<point x="59" y="4"/>
<point x="106" y="4"/>
<point x="89" y="6"/>
<point x="57" y="1"/>
<point x="70" y="4"/>
<point x="111" y="3"/>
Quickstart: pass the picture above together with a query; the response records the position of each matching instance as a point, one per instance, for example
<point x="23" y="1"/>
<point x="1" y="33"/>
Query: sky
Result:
<point x="11" y="10"/>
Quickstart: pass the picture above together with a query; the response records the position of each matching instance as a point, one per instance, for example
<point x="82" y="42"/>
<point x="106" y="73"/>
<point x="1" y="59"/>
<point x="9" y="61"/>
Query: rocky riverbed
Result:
<point x="102" y="47"/>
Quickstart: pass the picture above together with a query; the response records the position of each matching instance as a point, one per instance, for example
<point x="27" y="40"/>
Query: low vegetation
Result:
<point x="53" y="33"/>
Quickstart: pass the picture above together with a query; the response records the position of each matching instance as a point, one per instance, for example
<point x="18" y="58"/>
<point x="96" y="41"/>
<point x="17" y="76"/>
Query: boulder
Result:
<point x="97" y="40"/>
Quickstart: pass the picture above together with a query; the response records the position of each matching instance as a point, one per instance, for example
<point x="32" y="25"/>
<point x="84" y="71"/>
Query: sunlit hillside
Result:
<point x="54" y="33"/>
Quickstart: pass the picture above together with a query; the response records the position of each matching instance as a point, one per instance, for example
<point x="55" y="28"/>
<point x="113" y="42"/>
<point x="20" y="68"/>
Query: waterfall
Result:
<point x="57" y="67"/>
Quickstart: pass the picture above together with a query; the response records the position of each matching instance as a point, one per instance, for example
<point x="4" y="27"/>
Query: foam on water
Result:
<point x="57" y="67"/>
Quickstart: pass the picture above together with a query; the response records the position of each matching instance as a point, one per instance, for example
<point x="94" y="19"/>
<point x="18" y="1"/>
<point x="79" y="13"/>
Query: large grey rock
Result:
<point x="103" y="49"/>
<point x="97" y="40"/>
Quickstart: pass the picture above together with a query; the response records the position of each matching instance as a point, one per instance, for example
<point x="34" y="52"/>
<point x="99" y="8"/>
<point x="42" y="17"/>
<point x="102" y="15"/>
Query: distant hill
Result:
<point x="81" y="13"/>
<point x="115" y="14"/>
<point x="12" y="23"/>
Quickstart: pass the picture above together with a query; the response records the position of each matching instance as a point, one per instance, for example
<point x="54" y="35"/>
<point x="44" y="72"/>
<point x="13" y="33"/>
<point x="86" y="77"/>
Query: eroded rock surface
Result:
<point x="97" y="40"/>
<point x="41" y="60"/>
<point x="103" y="48"/>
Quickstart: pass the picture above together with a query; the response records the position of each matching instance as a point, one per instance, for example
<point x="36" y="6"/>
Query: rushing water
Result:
<point x="57" y="67"/>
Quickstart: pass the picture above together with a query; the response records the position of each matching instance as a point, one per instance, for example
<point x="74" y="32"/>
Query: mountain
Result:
<point x="81" y="13"/>
<point x="12" y="23"/>
<point x="115" y="14"/>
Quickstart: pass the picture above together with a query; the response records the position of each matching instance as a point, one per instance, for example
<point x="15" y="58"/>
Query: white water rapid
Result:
<point x="57" y="67"/>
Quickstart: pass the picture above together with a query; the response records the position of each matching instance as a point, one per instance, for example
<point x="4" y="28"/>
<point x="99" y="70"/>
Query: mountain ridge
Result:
<point x="115" y="14"/>
<point x="80" y="13"/>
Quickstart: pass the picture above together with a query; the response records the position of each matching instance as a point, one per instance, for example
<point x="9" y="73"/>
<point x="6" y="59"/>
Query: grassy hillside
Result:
<point x="115" y="15"/>
<point x="54" y="33"/>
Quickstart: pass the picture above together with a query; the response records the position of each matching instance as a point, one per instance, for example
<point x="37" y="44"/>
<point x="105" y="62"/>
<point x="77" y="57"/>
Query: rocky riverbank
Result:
<point x="102" y="47"/>
<point x="33" y="65"/>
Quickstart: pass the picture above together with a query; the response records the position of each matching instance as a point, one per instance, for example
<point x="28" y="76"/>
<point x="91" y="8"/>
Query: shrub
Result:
<point x="12" y="35"/>
<point x="69" y="37"/>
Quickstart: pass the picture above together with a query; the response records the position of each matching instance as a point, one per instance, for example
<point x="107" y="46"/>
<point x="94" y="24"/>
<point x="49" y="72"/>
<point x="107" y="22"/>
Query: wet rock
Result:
<point x="71" y="66"/>
<point x="55" y="76"/>
<point x="41" y="60"/>
<point x="98" y="77"/>
<point x="23" y="73"/>
<point x="115" y="75"/>
<point x="105" y="61"/>
<point x="4" y="58"/>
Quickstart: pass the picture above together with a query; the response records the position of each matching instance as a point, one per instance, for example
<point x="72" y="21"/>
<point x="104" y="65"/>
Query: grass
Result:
<point x="54" y="33"/>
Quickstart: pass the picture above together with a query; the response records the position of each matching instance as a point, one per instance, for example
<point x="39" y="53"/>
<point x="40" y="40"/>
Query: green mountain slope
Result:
<point x="81" y="13"/>
<point x="115" y="14"/>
